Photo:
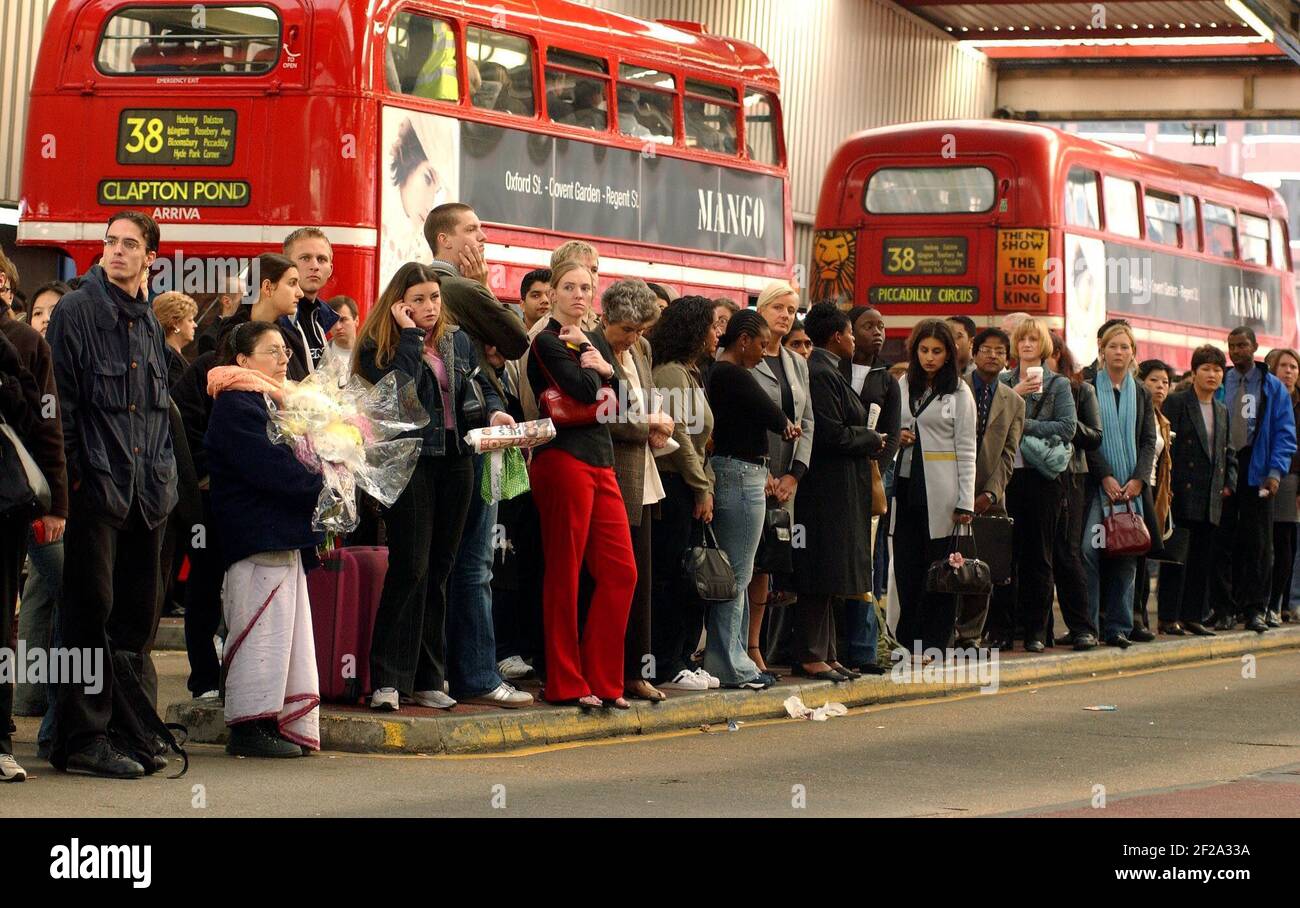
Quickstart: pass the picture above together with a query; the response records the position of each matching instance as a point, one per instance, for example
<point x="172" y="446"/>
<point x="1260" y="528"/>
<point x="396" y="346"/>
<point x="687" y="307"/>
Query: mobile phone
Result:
<point x="38" y="531"/>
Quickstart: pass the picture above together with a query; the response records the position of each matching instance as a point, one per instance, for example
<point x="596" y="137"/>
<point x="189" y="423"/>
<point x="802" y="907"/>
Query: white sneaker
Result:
<point x="712" y="682"/>
<point x="514" y="668"/>
<point x="504" y="696"/>
<point x="10" y="771"/>
<point x="209" y="695"/>
<point x="385" y="698"/>
<point x="686" y="680"/>
<point x="434" y="699"/>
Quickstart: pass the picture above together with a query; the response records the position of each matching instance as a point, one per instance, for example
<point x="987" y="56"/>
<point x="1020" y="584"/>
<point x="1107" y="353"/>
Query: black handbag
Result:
<point x="993" y="534"/>
<point x="776" y="546"/>
<point x="971" y="579"/>
<point x="708" y="570"/>
<point x="1173" y="549"/>
<point x="24" y="490"/>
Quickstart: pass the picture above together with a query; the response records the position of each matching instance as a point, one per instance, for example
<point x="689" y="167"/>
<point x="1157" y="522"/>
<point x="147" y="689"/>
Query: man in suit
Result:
<point x="1203" y="477"/>
<point x="1000" y="419"/>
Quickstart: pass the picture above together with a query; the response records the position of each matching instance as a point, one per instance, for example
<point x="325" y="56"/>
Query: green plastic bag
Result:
<point x="505" y="476"/>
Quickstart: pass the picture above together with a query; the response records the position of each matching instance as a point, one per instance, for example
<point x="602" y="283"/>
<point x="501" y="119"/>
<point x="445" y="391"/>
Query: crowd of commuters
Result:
<point x="681" y="422"/>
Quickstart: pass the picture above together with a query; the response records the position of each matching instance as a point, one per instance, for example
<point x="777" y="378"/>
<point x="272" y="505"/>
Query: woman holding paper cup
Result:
<point x="1035" y="500"/>
<point x="628" y="309"/>
<point x="580" y="505"/>
<point x="408" y="331"/>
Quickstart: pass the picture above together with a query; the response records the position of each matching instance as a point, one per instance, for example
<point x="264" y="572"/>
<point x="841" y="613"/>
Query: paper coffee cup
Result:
<point x="1034" y="374"/>
<point x="873" y="416"/>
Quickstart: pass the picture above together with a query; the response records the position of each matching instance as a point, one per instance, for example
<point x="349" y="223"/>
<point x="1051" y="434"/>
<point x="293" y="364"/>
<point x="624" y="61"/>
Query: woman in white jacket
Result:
<point x="934" y="481"/>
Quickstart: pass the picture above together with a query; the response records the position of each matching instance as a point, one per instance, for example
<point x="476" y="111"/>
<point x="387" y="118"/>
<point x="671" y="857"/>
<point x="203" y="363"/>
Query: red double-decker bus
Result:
<point x="986" y="218"/>
<point x="233" y="123"/>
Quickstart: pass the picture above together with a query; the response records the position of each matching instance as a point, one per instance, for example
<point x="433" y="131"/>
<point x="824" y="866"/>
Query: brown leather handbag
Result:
<point x="567" y="412"/>
<point x="1126" y="531"/>
<point x="879" y="503"/>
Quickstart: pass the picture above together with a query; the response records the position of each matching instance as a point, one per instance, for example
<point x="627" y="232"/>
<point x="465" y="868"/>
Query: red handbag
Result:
<point x="564" y="410"/>
<point x="1126" y="532"/>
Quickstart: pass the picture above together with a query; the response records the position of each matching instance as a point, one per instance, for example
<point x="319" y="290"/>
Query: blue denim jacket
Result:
<point x="110" y="365"/>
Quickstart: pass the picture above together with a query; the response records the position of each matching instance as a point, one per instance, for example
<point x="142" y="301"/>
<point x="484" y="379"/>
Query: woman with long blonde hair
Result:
<point x="407" y="331"/>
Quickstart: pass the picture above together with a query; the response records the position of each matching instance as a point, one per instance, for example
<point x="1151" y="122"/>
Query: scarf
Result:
<point x="237" y="378"/>
<point x="1119" y="429"/>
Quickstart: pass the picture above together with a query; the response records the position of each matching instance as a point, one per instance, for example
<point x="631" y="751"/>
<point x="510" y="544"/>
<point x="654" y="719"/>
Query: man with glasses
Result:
<point x="999" y="423"/>
<point x="111" y="369"/>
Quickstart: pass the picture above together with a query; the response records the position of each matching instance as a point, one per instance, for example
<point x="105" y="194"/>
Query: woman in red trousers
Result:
<point x="582" y="513"/>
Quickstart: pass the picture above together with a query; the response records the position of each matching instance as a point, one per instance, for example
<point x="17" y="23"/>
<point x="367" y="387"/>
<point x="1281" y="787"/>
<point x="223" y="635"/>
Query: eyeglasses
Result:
<point x="280" y="353"/>
<point x="992" y="351"/>
<point x="127" y="243"/>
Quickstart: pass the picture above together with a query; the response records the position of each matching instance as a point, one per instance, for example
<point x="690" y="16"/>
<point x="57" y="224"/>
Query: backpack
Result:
<point x="135" y="730"/>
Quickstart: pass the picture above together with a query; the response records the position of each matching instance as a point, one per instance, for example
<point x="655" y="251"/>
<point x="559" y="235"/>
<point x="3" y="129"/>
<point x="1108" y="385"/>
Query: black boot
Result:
<point x="254" y="739"/>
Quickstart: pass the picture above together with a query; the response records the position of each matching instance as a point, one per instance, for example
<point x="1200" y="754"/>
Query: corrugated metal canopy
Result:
<point x="1200" y="18"/>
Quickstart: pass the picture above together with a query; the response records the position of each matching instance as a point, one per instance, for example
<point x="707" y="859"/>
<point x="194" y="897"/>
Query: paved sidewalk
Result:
<point x="470" y="729"/>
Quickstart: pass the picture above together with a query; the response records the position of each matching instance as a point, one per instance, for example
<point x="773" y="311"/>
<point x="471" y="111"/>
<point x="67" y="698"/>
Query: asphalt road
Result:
<point x="1177" y="744"/>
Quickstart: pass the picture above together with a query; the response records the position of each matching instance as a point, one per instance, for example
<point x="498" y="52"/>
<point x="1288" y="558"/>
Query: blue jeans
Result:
<point x="861" y="633"/>
<point x="739" y="505"/>
<point x="37" y="619"/>
<point x="471" y="638"/>
<point x="1294" y="597"/>
<point x="1109" y="578"/>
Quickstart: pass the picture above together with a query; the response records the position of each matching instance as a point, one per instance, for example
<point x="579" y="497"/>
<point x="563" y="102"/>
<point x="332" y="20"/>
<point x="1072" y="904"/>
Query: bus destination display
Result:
<point x="185" y="138"/>
<point x="925" y="255"/>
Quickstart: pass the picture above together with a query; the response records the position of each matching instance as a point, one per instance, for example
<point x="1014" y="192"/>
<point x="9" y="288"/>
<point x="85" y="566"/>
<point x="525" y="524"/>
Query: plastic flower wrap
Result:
<point x="346" y="429"/>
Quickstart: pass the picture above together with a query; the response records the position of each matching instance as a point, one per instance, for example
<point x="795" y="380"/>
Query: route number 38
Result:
<point x="146" y="135"/>
<point x="901" y="259"/>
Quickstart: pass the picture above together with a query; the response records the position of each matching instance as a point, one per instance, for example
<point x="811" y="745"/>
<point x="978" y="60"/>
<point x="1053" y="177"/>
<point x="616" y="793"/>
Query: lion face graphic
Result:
<point x="834" y="272"/>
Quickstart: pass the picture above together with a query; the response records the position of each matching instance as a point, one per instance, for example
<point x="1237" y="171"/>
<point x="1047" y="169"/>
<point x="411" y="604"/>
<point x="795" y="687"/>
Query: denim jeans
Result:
<point x="739" y="505"/>
<point x="471" y="638"/>
<point x="41" y="596"/>
<point x="1295" y="587"/>
<point x="861" y="632"/>
<point x="1109" y="578"/>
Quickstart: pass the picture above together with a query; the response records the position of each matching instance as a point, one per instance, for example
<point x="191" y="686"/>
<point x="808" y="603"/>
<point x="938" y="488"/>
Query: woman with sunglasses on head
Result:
<point x="583" y="517"/>
<point x="262" y="502"/>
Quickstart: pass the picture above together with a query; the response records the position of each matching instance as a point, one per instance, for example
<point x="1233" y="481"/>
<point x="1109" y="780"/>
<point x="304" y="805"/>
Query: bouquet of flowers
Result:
<point x="346" y="429"/>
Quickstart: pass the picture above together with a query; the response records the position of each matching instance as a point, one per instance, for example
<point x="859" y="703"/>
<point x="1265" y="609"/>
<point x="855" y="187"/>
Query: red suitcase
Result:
<point x="344" y="593"/>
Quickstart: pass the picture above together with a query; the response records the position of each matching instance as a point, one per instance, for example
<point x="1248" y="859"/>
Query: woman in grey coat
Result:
<point x="784" y="376"/>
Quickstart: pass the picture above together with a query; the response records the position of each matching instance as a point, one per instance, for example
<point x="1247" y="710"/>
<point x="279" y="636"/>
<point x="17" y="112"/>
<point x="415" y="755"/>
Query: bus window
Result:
<point x="1254" y="239"/>
<point x="761" y="125"/>
<point x="574" y="97"/>
<point x="1121" y="206"/>
<point x="1220" y="230"/>
<point x="1279" y="246"/>
<point x="1163" y="217"/>
<point x="421" y="58"/>
<point x="930" y="190"/>
<point x="710" y="117"/>
<point x="1082" y="209"/>
<point x="231" y="40"/>
<point x="645" y="103"/>
<point x="505" y="68"/>
<point x="1191" y="231"/>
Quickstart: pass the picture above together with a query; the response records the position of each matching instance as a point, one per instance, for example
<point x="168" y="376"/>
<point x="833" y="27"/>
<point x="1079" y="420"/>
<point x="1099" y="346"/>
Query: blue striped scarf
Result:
<point x="1118" y="429"/>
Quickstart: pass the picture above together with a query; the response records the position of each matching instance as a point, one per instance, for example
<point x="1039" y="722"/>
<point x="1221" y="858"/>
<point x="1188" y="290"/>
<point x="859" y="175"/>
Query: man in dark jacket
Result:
<point x="1261" y="429"/>
<point x="111" y="369"/>
<point x="310" y="250"/>
<point x="457" y="240"/>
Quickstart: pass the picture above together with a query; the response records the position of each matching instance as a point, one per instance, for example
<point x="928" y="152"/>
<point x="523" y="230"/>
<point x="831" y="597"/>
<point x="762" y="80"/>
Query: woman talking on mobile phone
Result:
<point x="407" y="331"/>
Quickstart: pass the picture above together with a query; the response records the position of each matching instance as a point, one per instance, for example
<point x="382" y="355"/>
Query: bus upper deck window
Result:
<point x="1279" y="246"/>
<point x="420" y="58"/>
<point x="1254" y="239"/>
<point x="1191" y="231"/>
<point x="1163" y="215"/>
<point x="1082" y="208"/>
<point x="762" y="139"/>
<point x="645" y="103"/>
<point x="1121" y="201"/>
<point x="1220" y="230"/>
<point x="157" y="40"/>
<point x="930" y="190"/>
<point x="710" y="112"/>
<point x="576" y="89"/>
<point x="505" y="68"/>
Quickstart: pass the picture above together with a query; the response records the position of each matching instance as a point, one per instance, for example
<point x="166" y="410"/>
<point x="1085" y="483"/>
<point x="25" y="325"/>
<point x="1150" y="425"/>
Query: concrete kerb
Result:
<point x="502" y="731"/>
